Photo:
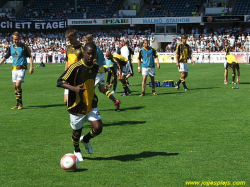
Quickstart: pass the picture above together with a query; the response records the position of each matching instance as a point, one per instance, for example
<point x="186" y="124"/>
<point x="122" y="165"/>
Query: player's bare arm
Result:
<point x="139" y="65"/>
<point x="177" y="60"/>
<point x="76" y="89"/>
<point x="31" y="66"/>
<point x="3" y="60"/>
<point x="158" y="63"/>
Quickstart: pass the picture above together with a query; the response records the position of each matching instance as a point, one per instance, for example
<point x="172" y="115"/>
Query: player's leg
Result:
<point x="144" y="80"/>
<point x="109" y="95"/>
<point x="181" y="70"/>
<point x="94" y="118"/>
<point x="130" y="72"/>
<point x="114" y="82"/>
<point x="14" y="79"/>
<point x="76" y="123"/>
<point x="183" y="81"/>
<point x="18" y="78"/>
<point x="151" y="73"/>
<point x="153" y="84"/>
<point x="225" y="76"/>
<point x="124" y="83"/>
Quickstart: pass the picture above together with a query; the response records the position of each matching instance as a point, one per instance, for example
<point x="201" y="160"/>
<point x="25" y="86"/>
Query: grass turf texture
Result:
<point x="162" y="140"/>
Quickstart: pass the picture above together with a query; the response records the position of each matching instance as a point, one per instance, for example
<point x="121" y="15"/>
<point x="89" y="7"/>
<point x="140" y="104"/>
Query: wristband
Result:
<point x="139" y="67"/>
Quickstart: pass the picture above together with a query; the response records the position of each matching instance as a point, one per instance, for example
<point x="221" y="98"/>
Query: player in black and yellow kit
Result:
<point x="183" y="53"/>
<point x="19" y="52"/>
<point x="232" y="63"/>
<point x="100" y="77"/>
<point x="120" y="63"/>
<point x="79" y="79"/>
<point x="74" y="52"/>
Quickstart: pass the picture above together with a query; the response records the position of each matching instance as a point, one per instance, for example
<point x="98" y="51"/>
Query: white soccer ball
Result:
<point x="69" y="162"/>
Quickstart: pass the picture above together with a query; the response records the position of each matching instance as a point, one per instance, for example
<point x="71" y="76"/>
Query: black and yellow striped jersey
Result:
<point x="183" y="51"/>
<point x="78" y="73"/>
<point x="74" y="53"/>
<point x="119" y="60"/>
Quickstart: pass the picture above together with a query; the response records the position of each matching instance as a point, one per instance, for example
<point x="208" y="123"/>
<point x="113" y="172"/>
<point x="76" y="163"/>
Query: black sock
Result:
<point x="19" y="95"/>
<point x="110" y="96"/>
<point x="125" y="87"/>
<point x="17" y="98"/>
<point x="179" y="81"/>
<point x="90" y="135"/>
<point x="184" y="83"/>
<point x="75" y="141"/>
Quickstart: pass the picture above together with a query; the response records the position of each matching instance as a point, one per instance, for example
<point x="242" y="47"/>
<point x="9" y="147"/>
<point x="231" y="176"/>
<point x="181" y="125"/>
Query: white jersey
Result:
<point x="125" y="52"/>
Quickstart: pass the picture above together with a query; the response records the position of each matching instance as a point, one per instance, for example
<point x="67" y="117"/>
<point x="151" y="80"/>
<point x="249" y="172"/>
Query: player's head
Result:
<point x="184" y="38"/>
<point x="71" y="36"/>
<point x="126" y="43"/>
<point x="15" y="37"/>
<point x="88" y="38"/>
<point x="145" y="44"/>
<point x="89" y="52"/>
<point x="109" y="55"/>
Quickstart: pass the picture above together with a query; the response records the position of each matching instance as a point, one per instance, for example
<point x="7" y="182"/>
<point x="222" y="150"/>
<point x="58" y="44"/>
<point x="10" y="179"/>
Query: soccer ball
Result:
<point x="69" y="162"/>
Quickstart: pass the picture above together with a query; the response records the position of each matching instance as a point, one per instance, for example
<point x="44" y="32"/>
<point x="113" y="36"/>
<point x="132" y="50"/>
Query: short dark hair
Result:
<point x="90" y="45"/>
<point x="70" y="32"/>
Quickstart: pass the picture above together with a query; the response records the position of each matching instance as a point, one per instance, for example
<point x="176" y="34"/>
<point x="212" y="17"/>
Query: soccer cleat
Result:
<point x="117" y="104"/>
<point x="88" y="146"/>
<point x="177" y="86"/>
<point x="129" y="84"/>
<point x="15" y="107"/>
<point x="78" y="155"/>
<point x="234" y="82"/>
<point x="154" y="93"/>
<point x="113" y="92"/>
<point x="186" y="89"/>
<point x="143" y="94"/>
<point x="20" y="107"/>
<point x="125" y="94"/>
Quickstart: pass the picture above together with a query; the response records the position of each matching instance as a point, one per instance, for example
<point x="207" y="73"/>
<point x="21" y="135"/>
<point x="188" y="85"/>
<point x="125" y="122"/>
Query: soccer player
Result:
<point x="120" y="63"/>
<point x="111" y="69"/>
<point x="19" y="52"/>
<point x="232" y="63"/>
<point x="79" y="79"/>
<point x="74" y="52"/>
<point x="127" y="52"/>
<point x="147" y="56"/>
<point x="100" y="77"/>
<point x="183" y="53"/>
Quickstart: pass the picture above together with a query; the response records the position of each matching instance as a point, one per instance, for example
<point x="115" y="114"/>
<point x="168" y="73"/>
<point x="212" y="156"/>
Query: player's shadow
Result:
<point x="169" y="93"/>
<point x="122" y="123"/>
<point x="123" y="109"/>
<point x="245" y="83"/>
<point x="133" y="157"/>
<point x="208" y="88"/>
<point x="78" y="170"/>
<point x="46" y="106"/>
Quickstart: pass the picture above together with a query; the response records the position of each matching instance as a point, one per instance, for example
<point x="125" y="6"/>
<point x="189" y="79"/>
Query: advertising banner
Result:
<point x="33" y="25"/>
<point x="110" y="21"/>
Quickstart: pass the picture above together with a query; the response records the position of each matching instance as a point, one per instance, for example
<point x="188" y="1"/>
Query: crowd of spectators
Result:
<point x="41" y="42"/>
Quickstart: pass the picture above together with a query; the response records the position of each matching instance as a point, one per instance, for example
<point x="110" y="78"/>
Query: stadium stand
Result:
<point x="65" y="9"/>
<point x="242" y="7"/>
<point x="162" y="8"/>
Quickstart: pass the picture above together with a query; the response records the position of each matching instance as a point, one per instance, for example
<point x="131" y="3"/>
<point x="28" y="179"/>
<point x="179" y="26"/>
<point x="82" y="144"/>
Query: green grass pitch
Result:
<point x="163" y="140"/>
